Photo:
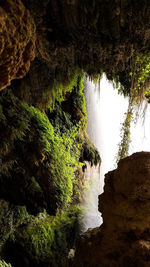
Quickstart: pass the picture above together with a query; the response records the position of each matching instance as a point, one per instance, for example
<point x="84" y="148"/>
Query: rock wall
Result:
<point x="17" y="41"/>
<point x="124" y="237"/>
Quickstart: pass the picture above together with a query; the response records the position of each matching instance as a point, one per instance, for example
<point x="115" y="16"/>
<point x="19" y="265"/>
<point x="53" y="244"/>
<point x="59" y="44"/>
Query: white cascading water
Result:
<point x="92" y="216"/>
<point x="105" y="112"/>
<point x="102" y="127"/>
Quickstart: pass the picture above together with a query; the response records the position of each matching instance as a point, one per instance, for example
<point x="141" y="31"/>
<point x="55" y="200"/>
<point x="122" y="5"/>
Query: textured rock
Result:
<point x="17" y="41"/>
<point x="124" y="237"/>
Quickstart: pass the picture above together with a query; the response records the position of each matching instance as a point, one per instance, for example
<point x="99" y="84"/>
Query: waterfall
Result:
<point x="92" y="216"/>
<point x="106" y="112"/>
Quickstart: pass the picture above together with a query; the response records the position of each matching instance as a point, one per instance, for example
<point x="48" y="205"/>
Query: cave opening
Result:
<point x="52" y="147"/>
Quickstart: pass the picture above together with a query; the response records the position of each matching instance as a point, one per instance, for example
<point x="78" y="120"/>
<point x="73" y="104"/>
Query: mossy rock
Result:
<point x="71" y="111"/>
<point x="44" y="241"/>
<point x="89" y="152"/>
<point x="37" y="164"/>
<point x="43" y="85"/>
<point x="11" y="217"/>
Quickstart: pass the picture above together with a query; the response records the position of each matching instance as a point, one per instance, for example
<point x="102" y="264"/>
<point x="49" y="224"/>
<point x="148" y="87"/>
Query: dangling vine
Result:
<point x="139" y="92"/>
<point x="125" y="134"/>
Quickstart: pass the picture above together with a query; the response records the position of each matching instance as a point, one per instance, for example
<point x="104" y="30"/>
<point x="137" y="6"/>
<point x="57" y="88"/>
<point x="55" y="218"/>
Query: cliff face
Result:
<point x="123" y="238"/>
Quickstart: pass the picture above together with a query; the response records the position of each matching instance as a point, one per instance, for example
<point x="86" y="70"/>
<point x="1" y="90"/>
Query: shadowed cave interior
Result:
<point x="47" y="50"/>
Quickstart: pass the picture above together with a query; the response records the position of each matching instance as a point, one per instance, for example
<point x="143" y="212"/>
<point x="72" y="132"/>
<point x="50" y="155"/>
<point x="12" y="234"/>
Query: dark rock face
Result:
<point x="89" y="35"/>
<point x="123" y="238"/>
<point x="92" y="35"/>
<point x="17" y="42"/>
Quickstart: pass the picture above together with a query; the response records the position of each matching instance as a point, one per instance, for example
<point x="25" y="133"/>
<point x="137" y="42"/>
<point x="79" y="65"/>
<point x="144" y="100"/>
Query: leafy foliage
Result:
<point x="72" y="111"/>
<point x="89" y="151"/>
<point x="60" y="88"/>
<point x="125" y="135"/>
<point x="39" y="155"/>
<point x="43" y="86"/>
<point x="46" y="239"/>
<point x="139" y="91"/>
<point x="39" y="158"/>
<point x="140" y="83"/>
<point x="4" y="264"/>
<point x="74" y="120"/>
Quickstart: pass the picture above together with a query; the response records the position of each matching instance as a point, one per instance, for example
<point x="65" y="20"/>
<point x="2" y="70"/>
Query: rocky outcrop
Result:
<point x="17" y="41"/>
<point x="124" y="237"/>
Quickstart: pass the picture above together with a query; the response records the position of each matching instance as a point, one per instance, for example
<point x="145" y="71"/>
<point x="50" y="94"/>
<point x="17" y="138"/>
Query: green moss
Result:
<point x="42" y="158"/>
<point x="10" y="218"/>
<point x="79" y="103"/>
<point x="39" y="159"/>
<point x="72" y="111"/>
<point x="60" y="88"/>
<point x="89" y="151"/>
<point x="140" y="84"/>
<point x="43" y="86"/>
<point x="42" y="125"/>
<point x="60" y="119"/>
<point x="34" y="184"/>
<point x="48" y="240"/>
<point x="4" y="264"/>
<point x="31" y="148"/>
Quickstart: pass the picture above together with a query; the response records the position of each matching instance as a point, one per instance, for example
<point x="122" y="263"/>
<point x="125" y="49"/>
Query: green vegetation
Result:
<point x="140" y="85"/>
<point x="89" y="151"/>
<point x="46" y="239"/>
<point x="60" y="88"/>
<point x="40" y="158"/>
<point x="72" y="111"/>
<point x="139" y="92"/>
<point x="10" y="218"/>
<point x="42" y="152"/>
<point x="80" y="104"/>
<point x="46" y="87"/>
<point x="125" y="135"/>
<point x="47" y="151"/>
<point x="4" y="264"/>
<point x="96" y="78"/>
<point x="74" y="121"/>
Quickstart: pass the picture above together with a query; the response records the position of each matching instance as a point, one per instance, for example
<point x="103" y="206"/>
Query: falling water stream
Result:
<point x="92" y="174"/>
<point x="105" y="112"/>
